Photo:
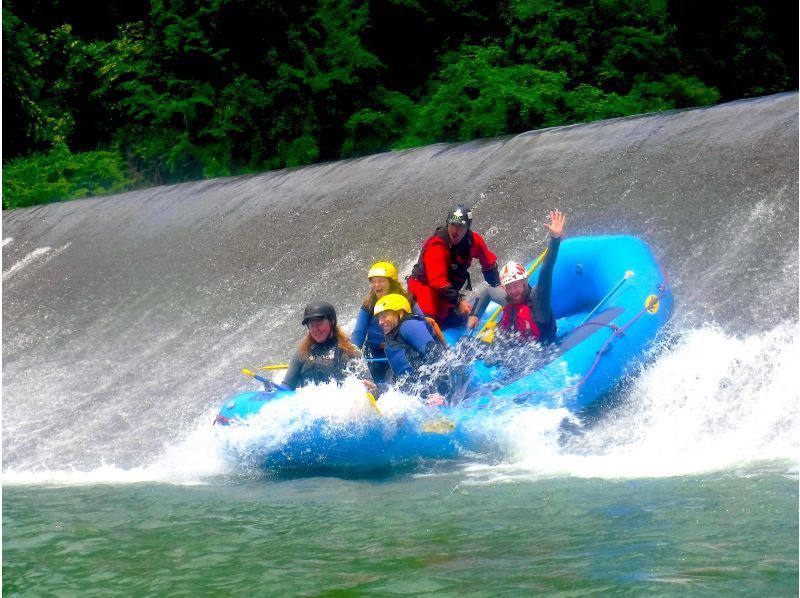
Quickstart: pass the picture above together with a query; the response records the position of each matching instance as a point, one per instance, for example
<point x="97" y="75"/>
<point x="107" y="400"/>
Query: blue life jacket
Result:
<point x="367" y="333"/>
<point x="410" y="344"/>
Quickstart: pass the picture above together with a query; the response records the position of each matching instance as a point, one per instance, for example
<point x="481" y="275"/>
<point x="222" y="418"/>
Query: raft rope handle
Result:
<point x="620" y="331"/>
<point x="617" y="332"/>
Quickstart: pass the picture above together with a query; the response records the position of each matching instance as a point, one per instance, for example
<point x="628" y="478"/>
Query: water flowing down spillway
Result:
<point x="127" y="319"/>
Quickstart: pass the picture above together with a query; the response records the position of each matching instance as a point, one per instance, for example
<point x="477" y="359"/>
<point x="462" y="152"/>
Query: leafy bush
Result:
<point x="59" y="174"/>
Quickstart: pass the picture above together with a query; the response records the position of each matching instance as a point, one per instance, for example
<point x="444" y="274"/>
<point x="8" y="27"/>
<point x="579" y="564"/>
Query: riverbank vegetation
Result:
<point x="127" y="94"/>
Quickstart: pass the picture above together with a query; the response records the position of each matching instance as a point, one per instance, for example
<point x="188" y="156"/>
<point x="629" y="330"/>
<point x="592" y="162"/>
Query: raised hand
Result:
<point x="556" y="225"/>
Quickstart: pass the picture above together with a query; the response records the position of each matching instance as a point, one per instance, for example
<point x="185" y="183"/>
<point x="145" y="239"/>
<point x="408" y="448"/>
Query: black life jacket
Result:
<point x="325" y="362"/>
<point x="460" y="259"/>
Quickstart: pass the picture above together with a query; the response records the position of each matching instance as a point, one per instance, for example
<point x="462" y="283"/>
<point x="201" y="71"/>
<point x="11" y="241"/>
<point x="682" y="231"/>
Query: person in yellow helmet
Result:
<point x="367" y="333"/>
<point x="409" y="341"/>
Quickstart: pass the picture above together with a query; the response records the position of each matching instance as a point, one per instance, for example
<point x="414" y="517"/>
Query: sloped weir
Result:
<point x="127" y="318"/>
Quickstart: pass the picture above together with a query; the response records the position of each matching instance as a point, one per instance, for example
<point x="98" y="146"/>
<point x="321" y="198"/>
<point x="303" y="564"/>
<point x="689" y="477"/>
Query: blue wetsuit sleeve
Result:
<point x="417" y="335"/>
<point x="292" y="377"/>
<point x="544" y="287"/>
<point x="360" y="330"/>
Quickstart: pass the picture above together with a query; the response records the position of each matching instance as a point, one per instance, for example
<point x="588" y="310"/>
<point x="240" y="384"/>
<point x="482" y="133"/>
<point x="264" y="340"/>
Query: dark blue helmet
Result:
<point x="461" y="215"/>
<point x="319" y="309"/>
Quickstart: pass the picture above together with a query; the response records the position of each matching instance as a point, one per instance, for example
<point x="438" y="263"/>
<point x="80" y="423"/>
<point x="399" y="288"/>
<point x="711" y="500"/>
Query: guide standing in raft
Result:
<point x="443" y="269"/>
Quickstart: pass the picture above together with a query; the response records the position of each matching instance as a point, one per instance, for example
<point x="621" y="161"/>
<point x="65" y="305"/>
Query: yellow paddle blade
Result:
<point x="248" y="373"/>
<point x="280" y="366"/>
<point x="374" y="403"/>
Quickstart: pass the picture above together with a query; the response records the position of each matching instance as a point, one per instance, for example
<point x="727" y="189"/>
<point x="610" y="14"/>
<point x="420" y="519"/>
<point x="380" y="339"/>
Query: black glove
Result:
<point x="492" y="276"/>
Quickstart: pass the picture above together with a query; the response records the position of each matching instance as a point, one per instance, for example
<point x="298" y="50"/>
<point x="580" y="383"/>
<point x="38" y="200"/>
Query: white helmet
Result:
<point x="511" y="272"/>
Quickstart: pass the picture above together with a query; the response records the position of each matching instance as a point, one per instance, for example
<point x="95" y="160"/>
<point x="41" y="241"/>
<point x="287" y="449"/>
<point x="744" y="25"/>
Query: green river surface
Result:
<point x="483" y="532"/>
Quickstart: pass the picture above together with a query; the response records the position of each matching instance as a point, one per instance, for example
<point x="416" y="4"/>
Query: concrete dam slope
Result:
<point x="127" y="318"/>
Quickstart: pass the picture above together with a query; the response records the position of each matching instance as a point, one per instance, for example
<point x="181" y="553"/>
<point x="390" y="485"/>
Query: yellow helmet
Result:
<point x="392" y="302"/>
<point x="385" y="269"/>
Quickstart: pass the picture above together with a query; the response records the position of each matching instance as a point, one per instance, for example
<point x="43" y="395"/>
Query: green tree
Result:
<point x="24" y="127"/>
<point x="479" y="93"/>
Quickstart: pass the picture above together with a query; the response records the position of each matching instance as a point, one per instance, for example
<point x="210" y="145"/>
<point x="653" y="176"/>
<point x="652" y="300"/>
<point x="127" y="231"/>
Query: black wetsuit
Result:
<point x="325" y="362"/>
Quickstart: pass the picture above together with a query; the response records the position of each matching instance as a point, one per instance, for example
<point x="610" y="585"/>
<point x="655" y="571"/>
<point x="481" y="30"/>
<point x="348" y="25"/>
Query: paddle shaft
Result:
<point x="283" y="366"/>
<point x="628" y="274"/>
<point x="268" y="384"/>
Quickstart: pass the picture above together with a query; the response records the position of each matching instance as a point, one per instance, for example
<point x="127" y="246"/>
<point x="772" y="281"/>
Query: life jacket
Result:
<point x="518" y="318"/>
<point x="326" y="361"/>
<point x="402" y="355"/>
<point x="460" y="259"/>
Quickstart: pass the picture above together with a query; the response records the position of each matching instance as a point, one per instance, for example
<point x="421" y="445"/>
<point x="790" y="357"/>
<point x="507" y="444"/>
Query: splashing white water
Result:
<point x="211" y="451"/>
<point x="33" y="256"/>
<point x="709" y="402"/>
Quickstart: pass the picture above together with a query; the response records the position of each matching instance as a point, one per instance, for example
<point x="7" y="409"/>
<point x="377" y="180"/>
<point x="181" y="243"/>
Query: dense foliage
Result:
<point x="131" y="93"/>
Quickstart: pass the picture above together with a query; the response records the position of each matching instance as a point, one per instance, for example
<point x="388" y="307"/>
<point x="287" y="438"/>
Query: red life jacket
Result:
<point x="460" y="259"/>
<point x="518" y="318"/>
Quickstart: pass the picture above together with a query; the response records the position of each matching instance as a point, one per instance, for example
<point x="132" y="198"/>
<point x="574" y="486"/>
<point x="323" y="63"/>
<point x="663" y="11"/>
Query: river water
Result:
<point x="126" y="320"/>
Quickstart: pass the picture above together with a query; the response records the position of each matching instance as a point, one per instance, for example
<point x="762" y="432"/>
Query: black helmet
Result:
<point x="319" y="309"/>
<point x="460" y="215"/>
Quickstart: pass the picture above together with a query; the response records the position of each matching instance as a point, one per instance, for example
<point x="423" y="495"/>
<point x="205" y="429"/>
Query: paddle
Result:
<point x="374" y="403"/>
<point x="628" y="275"/>
<point x="268" y="384"/>
<point x="499" y="309"/>
<point x="283" y="366"/>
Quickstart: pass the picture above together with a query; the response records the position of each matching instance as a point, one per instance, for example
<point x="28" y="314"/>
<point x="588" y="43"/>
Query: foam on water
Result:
<point x="709" y="401"/>
<point x="33" y="256"/>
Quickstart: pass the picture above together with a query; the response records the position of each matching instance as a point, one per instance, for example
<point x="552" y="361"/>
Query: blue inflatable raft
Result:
<point x="610" y="298"/>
